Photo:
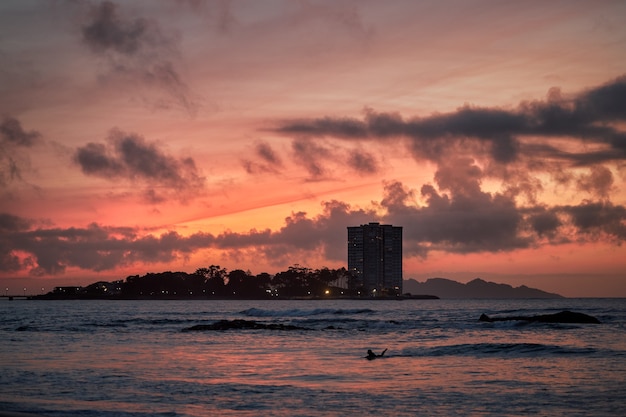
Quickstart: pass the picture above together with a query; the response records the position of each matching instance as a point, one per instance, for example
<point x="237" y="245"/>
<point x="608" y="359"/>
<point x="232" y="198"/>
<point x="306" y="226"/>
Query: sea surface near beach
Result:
<point x="132" y="358"/>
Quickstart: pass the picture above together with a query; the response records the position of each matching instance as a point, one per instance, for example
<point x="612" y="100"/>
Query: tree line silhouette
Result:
<point x="214" y="281"/>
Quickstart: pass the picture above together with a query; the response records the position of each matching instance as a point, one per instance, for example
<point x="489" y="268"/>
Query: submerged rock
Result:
<point x="240" y="325"/>
<point x="561" y="317"/>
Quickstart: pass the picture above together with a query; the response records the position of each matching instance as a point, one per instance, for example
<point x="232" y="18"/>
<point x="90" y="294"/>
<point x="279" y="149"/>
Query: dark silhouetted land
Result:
<point x="478" y="288"/>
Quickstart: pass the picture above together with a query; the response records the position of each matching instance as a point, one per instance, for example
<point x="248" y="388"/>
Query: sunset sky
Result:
<point x="146" y="136"/>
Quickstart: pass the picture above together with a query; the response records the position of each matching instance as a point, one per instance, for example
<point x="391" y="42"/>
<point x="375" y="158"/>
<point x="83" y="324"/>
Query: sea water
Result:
<point x="133" y="358"/>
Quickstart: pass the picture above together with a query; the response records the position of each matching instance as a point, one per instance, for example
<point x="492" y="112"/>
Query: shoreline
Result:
<point x="221" y="298"/>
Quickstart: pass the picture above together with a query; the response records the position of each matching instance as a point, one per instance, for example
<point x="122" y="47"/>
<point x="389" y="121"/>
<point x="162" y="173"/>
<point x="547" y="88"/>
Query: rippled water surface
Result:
<point x="133" y="358"/>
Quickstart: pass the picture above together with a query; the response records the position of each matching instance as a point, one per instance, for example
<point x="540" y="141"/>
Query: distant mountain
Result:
<point x="478" y="288"/>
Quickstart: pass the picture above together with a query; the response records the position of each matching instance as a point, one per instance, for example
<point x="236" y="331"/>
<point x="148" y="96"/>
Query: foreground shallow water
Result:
<point x="132" y="358"/>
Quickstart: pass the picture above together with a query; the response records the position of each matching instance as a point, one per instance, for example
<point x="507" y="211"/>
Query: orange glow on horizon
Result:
<point x="489" y="132"/>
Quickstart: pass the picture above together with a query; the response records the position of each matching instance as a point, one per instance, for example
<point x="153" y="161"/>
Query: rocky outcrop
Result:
<point x="241" y="325"/>
<point x="561" y="317"/>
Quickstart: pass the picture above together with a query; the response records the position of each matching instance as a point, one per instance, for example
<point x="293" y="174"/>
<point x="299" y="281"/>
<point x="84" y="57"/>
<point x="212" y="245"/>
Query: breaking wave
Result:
<point x="511" y="350"/>
<point x="258" y="312"/>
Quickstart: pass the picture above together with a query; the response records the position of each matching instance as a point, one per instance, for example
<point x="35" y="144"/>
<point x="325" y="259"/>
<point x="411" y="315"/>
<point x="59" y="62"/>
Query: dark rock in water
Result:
<point x="561" y="317"/>
<point x="240" y="325"/>
<point x="484" y="317"/>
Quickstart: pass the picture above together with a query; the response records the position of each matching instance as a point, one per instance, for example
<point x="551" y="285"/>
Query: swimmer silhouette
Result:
<point x="371" y="355"/>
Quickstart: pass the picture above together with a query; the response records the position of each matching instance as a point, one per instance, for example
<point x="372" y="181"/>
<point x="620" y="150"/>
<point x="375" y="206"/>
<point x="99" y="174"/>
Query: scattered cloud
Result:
<point x="14" y="141"/>
<point x="11" y="132"/>
<point x="128" y="156"/>
<point x="266" y="159"/>
<point x="363" y="162"/>
<point x="107" y="30"/>
<point x="321" y="161"/>
<point x="138" y="51"/>
<point x="312" y="156"/>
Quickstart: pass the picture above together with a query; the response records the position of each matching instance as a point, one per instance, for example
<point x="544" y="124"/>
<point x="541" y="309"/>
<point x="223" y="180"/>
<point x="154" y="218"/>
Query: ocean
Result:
<point x="134" y="358"/>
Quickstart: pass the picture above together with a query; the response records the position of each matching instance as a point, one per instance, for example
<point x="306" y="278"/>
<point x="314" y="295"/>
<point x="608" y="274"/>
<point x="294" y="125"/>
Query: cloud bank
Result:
<point x="463" y="221"/>
<point x="592" y="117"/>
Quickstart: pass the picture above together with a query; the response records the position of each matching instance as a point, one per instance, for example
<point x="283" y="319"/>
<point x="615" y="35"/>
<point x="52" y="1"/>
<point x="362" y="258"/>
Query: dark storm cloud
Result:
<point x="129" y="156"/>
<point x="138" y="50"/>
<point x="590" y="116"/>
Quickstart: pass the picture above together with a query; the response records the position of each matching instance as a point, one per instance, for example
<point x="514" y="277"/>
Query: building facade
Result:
<point x="375" y="257"/>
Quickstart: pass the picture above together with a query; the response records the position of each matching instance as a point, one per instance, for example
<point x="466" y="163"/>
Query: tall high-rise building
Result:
<point x="375" y="256"/>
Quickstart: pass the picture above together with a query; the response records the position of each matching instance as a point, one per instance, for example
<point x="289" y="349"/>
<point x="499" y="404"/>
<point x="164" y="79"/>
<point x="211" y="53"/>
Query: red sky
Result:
<point x="146" y="136"/>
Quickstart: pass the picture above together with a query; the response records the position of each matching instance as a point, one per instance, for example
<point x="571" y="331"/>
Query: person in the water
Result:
<point x="371" y="355"/>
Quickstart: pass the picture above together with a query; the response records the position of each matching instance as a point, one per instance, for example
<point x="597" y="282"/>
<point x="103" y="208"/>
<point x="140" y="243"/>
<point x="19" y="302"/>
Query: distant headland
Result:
<point x="477" y="288"/>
